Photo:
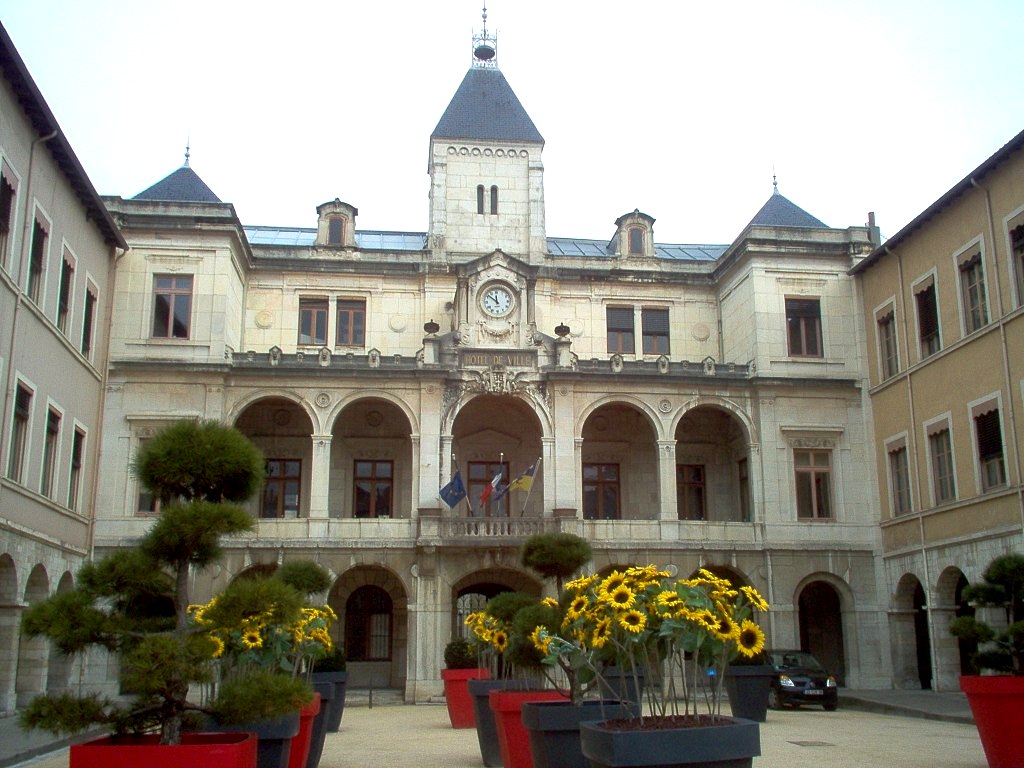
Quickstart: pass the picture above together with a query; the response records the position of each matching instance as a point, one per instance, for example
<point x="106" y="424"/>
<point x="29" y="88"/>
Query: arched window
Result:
<point x="335" y="231"/>
<point x="494" y="200"/>
<point x="368" y="624"/>
<point x="479" y="198"/>
<point x="636" y="241"/>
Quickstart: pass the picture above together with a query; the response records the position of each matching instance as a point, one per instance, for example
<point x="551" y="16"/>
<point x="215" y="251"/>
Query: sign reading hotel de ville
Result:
<point x="476" y="358"/>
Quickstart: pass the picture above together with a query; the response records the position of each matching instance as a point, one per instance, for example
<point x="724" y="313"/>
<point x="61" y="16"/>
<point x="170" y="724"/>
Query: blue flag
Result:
<point x="454" y="492"/>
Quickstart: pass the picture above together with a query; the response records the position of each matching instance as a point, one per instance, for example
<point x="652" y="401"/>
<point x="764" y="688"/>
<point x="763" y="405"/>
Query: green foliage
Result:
<point x="190" y="533"/>
<point x="65" y="714"/>
<point x="257" y="695"/>
<point x="305" y="576"/>
<point x="1003" y="587"/>
<point x="505" y="605"/>
<point x="460" y="654"/>
<point x="71" y="622"/>
<point x="555" y="555"/>
<point x="200" y="460"/>
<point x="334" y="661"/>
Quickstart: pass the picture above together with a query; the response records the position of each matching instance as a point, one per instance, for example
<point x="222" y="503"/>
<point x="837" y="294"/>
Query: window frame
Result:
<point x="815" y="472"/>
<point x="929" y="341"/>
<point x="336" y="230"/>
<point x="651" y="320"/>
<point x="1013" y="225"/>
<point x="989" y="409"/>
<point x="89" y="305"/>
<point x="897" y="468"/>
<point x="368" y="628"/>
<point x="635" y="241"/>
<point x="313" y="310"/>
<point x="806" y="325"/>
<point x="48" y="466"/>
<point x="353" y="309"/>
<point x="375" y="481"/>
<point x="886" y="340"/>
<point x="281" y="481"/>
<point x="172" y="295"/>
<point x="479" y="476"/>
<point x="972" y="287"/>
<point x="494" y="199"/>
<point x="941" y="465"/>
<point x="38" y="257"/>
<point x="76" y="462"/>
<point x="599" y="484"/>
<point x="20" y="442"/>
<point x="480" y="199"/>
<point x="9" y="185"/>
<point x="620" y="333"/>
<point x="684" y="488"/>
<point x="66" y="290"/>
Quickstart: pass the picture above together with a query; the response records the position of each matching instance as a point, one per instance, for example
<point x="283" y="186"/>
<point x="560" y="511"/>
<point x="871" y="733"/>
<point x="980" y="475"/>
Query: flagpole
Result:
<point x="522" y="512"/>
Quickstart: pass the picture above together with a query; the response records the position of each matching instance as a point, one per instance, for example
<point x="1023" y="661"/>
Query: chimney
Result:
<point x="874" y="233"/>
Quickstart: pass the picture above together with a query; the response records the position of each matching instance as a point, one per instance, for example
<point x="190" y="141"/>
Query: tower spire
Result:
<point x="188" y="143"/>
<point x="485" y="46"/>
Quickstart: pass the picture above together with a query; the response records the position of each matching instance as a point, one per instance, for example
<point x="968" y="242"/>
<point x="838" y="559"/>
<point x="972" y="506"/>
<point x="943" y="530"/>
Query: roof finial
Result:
<point x="188" y="142"/>
<point x="485" y="46"/>
<point x="775" y="182"/>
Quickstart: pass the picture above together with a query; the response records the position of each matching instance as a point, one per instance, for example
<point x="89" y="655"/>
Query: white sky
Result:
<point x="681" y="109"/>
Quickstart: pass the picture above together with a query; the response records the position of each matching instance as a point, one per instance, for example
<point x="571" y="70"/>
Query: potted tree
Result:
<point x="461" y="666"/>
<point x="134" y="603"/>
<point x="997" y="699"/>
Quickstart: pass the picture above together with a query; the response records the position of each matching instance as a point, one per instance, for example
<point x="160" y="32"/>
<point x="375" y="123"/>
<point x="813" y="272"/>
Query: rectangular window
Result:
<point x="37" y="261"/>
<point x="313" y="321"/>
<point x="19" y="433"/>
<point x="494" y="200"/>
<point x="481" y="473"/>
<point x="990" y="449"/>
<point x="654" y="324"/>
<point x="374" y="488"/>
<point x="803" y="327"/>
<point x="887" y="350"/>
<point x="88" y="320"/>
<point x="940" y="446"/>
<point x="813" y="484"/>
<point x="690" y="490"/>
<point x="1016" y="255"/>
<point x="743" y="472"/>
<point x="601" y="492"/>
<point x="351" y="323"/>
<point x="67" y="273"/>
<point x="281" y="488"/>
<point x="7" y="197"/>
<point x="335" y="231"/>
<point x="636" y="241"/>
<point x="899" y="479"/>
<point x="972" y="291"/>
<point x="927" y="319"/>
<point x="51" y="444"/>
<point x="620" y="330"/>
<point x="75" y="473"/>
<point x="172" y="306"/>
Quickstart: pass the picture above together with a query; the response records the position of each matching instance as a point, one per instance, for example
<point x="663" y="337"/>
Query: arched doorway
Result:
<point x="922" y="638"/>
<point x="371" y="461"/>
<point x="10" y="622"/>
<point x="821" y="627"/>
<point x="33" y="652"/>
<point x="373" y="616"/>
<point x="912" y="664"/>
<point x="620" y="465"/>
<point x="498" y="436"/>
<point x="58" y="676"/>
<point x="471" y="593"/>
<point x="283" y="431"/>
<point x="712" y="467"/>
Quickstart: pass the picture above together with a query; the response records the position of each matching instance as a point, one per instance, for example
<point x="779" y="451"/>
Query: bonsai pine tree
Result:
<point x="1002" y="587"/>
<point x="134" y="602"/>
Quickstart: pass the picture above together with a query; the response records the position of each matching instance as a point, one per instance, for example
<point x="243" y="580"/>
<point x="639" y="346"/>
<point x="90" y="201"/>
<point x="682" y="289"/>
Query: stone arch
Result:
<point x="373" y="463"/>
<point x="952" y="655"/>
<point x="750" y="429"/>
<point x="620" y="462"/>
<point x="282" y="428"/>
<point x="450" y="415"/>
<point x="248" y="399"/>
<point x="10" y="621"/>
<point x="713" y="465"/>
<point x="337" y="408"/>
<point x="471" y="592"/>
<point x="58" y="675"/>
<point x="33" y="652"/>
<point x="910" y="635"/>
<point x="390" y="673"/>
<point x="639" y="404"/>
<point x="823" y="602"/>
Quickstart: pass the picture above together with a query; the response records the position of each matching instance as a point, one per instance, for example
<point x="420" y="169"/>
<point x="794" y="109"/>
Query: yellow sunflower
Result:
<point x="251" y="638"/>
<point x="750" y="641"/>
<point x="621" y="598"/>
<point x="613" y="582"/>
<point x="218" y="646"/>
<point x="755" y="598"/>
<point x="633" y="621"/>
<point x="602" y="632"/>
<point x="726" y="628"/>
<point x="577" y="607"/>
<point x="500" y="640"/>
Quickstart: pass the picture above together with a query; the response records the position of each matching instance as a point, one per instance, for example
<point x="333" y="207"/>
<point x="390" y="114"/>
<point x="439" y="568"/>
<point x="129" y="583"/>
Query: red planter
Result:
<point x="224" y="750"/>
<point x="456" y="694"/>
<point x="300" y="744"/>
<point x="997" y="703"/>
<point x="513" y="738"/>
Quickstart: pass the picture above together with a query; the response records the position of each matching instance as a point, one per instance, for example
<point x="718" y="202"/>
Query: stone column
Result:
<point x="547" y="449"/>
<point x="10" y="622"/>
<point x="667" y="502"/>
<point x="320" y="476"/>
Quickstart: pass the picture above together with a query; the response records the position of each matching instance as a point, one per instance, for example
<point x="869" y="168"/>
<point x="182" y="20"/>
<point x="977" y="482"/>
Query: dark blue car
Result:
<point x="800" y="679"/>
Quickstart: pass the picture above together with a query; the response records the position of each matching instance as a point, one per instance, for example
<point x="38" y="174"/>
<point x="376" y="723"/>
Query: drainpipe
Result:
<point x="1003" y="346"/>
<point x="19" y="297"/>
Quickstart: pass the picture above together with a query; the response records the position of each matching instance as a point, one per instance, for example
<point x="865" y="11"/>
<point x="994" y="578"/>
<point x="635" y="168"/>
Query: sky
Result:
<point x="682" y="109"/>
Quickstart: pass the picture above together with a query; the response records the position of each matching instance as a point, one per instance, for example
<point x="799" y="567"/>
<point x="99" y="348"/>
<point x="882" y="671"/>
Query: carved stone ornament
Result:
<point x="324" y="358"/>
<point x="616" y="363"/>
<point x="665" y="406"/>
<point x="323" y="400"/>
<point x="663" y="364"/>
<point x="709" y="366"/>
<point x="373" y="358"/>
<point x="275" y="355"/>
<point x="811" y="442"/>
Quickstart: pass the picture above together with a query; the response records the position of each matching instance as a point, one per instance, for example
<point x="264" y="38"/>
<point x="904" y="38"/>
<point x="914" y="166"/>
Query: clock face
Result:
<point x="497" y="301"/>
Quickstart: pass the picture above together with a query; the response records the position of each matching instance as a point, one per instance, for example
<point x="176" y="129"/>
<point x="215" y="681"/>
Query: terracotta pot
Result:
<point x="734" y="743"/>
<point x="997" y="703"/>
<point x="224" y="750"/>
<point x="513" y="738"/>
<point x="300" y="744"/>
<point x="456" y="694"/>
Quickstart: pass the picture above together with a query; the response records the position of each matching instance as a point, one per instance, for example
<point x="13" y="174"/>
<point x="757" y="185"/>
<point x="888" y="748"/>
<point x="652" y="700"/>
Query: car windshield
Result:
<point x="795" y="660"/>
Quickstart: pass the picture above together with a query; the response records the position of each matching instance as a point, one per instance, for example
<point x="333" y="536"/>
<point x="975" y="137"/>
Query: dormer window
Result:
<point x="636" y="241"/>
<point x="335" y="231"/>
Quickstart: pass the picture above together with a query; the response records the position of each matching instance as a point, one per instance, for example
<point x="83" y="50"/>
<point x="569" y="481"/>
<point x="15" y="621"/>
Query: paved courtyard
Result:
<point x="420" y="736"/>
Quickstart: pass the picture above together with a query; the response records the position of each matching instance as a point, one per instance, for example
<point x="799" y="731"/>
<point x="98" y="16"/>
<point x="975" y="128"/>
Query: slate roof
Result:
<point x="780" y="212"/>
<point x="485" y="107"/>
<point x="583" y="247"/>
<point x="184" y="185"/>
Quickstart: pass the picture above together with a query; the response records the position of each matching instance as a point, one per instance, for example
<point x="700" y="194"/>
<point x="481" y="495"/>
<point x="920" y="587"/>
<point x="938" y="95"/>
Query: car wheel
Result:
<point x="831" y="707"/>
<point x="773" y="699"/>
